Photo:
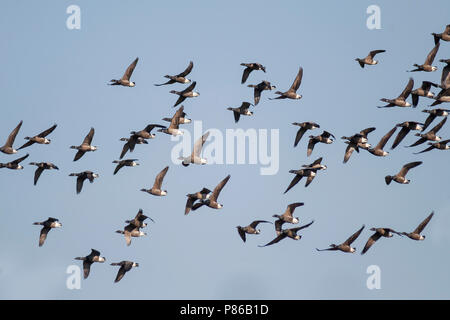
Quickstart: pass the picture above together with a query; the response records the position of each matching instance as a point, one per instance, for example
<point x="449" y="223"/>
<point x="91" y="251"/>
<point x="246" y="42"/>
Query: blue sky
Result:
<point x="55" y="75"/>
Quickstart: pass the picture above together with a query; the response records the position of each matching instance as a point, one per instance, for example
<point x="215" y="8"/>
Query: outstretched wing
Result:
<point x="401" y="135"/>
<point x="199" y="144"/>
<point x="439" y="126"/>
<point x="245" y="74"/>
<point x="432" y="54"/>
<point x="280" y="237"/>
<point x="299" y="135"/>
<point x="374" y="52"/>
<point x="297" y="81"/>
<point x="88" y="139"/>
<point x="408" y="166"/>
<point x="47" y="132"/>
<point x="218" y="188"/>
<point x="294" y="181"/>
<point x="353" y="237"/>
<point x="190" y="88"/>
<point x="130" y="69"/>
<point x="37" y="174"/>
<point x="187" y="71"/>
<point x="160" y="177"/>
<point x="12" y="135"/>
<point x="385" y="139"/>
<point x="371" y="241"/>
<point x="405" y="93"/>
<point x="424" y="223"/>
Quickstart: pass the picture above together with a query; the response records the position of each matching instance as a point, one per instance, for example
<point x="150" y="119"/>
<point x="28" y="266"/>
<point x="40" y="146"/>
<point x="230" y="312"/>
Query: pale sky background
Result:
<point x="55" y="75"/>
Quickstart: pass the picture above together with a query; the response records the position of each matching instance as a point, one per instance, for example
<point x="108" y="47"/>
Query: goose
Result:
<point x="441" y="145"/>
<point x="292" y="92"/>
<point x="130" y="143"/>
<point x="260" y="87"/>
<point x="125" y="163"/>
<point x="401" y="176"/>
<point x="139" y="219"/>
<point x="249" y="68"/>
<point x="41" y="166"/>
<point x="323" y="138"/>
<point x="156" y="189"/>
<point x="47" y="225"/>
<point x="186" y="93"/>
<point x="85" y="146"/>
<point x="346" y="245"/>
<point x="426" y="66"/>
<point x="146" y="133"/>
<point x="242" y="110"/>
<point x="304" y="126"/>
<point x="379" y="232"/>
<point x="88" y="260"/>
<point x="211" y="201"/>
<point x="442" y="96"/>
<point x="423" y="91"/>
<point x="180" y="78"/>
<point x="125" y="80"/>
<point x="288" y="233"/>
<point x="8" y="146"/>
<point x="174" y="127"/>
<point x="406" y="126"/>
<point x="287" y="216"/>
<point x="378" y="150"/>
<point x="250" y="229"/>
<point x="125" y="266"/>
<point x="445" y="36"/>
<point x="400" y="101"/>
<point x="369" y="59"/>
<point x="40" y="138"/>
<point x="182" y="117"/>
<point x="14" y="165"/>
<point x="131" y="231"/>
<point x="203" y="194"/>
<point x="356" y="141"/>
<point x="195" y="155"/>
<point x="433" y="114"/>
<point x="415" y="235"/>
<point x="83" y="176"/>
<point x="430" y="135"/>
<point x="308" y="171"/>
<point x="445" y="77"/>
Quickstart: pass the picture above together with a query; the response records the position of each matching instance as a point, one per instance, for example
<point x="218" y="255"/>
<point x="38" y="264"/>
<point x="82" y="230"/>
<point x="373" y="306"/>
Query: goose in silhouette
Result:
<point x="416" y="234"/>
<point x="195" y="155"/>
<point x="322" y="138"/>
<point x="406" y="126"/>
<point x="287" y="216"/>
<point x="186" y="93"/>
<point x="378" y="150"/>
<point x="401" y="176"/>
<point x="426" y="66"/>
<point x="445" y="77"/>
<point x="430" y="135"/>
<point x="445" y="36"/>
<point x="400" y="101"/>
<point x="180" y="78"/>
<point x="175" y="121"/>
<point x="423" y="91"/>
<point x="308" y="171"/>
<point x="379" y="232"/>
<point x="292" y="92"/>
<point x="304" y="126"/>
<point x="181" y="117"/>
<point x="125" y="80"/>
<point x="88" y="260"/>
<point x="288" y="233"/>
<point x="125" y="163"/>
<point x="203" y="194"/>
<point x="211" y="201"/>
<point x="346" y="245"/>
<point x="242" y="110"/>
<point x="8" y="146"/>
<point x="139" y="219"/>
<point x="250" y="229"/>
<point x="249" y="68"/>
<point x="131" y="231"/>
<point x="15" y="164"/>
<point x="125" y="266"/>
<point x="40" y="138"/>
<point x="433" y="114"/>
<point x="441" y="145"/>
<point x="130" y="143"/>
<point x="156" y="189"/>
<point x="41" y="166"/>
<point x="47" y="225"/>
<point x="85" y="146"/>
<point x="369" y="59"/>
<point x="83" y="176"/>
<point x="260" y="87"/>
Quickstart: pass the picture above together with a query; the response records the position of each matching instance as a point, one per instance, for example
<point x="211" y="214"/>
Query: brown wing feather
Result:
<point x="130" y="69"/>
<point x="187" y="71"/>
<point x="353" y="237"/>
<point x="297" y="81"/>
<point x="12" y="135"/>
<point x="160" y="177"/>
<point x="430" y="57"/>
<point x="371" y="241"/>
<point x="424" y="223"/>
<point x="218" y="188"/>
<point x="405" y="93"/>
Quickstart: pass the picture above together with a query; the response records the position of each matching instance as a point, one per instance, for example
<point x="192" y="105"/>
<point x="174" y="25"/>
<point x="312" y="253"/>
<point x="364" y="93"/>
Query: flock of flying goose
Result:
<point x="206" y="197"/>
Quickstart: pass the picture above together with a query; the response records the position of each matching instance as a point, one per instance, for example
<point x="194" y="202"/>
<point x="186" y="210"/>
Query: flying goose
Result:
<point x="430" y="135"/>
<point x="186" y="93"/>
<point x="40" y="138"/>
<point x="304" y="126"/>
<point x="378" y="150"/>
<point x="323" y="138"/>
<point x="445" y="77"/>
<point x="83" y="176"/>
<point x="14" y="165"/>
<point x="292" y="92"/>
<point x="88" y="260"/>
<point x="441" y="145"/>
<point x="41" y="166"/>
<point x="433" y="114"/>
<point x="369" y="59"/>
<point x="346" y="245"/>
<point x="415" y="235"/>
<point x="426" y="66"/>
<point x="156" y="189"/>
<point x="195" y="155"/>
<point x="445" y="36"/>
<point x="8" y="146"/>
<point x="139" y="219"/>
<point x="181" y="117"/>
<point x="175" y="121"/>
<point x="125" y="163"/>
<point x="287" y="216"/>
<point x="203" y="194"/>
<point x="442" y="96"/>
<point x="48" y="224"/>
<point x="249" y="68"/>
<point x="260" y="87"/>
<point x="400" y="101"/>
<point x="125" y="266"/>
<point x="180" y="78"/>
<point x="308" y="171"/>
<point x="242" y="110"/>
<point x="356" y="141"/>
<point x="406" y="126"/>
<point x="146" y="133"/>
<point x="85" y="146"/>
<point x="125" y="80"/>
<point x="401" y="176"/>
<point x="250" y="229"/>
<point x="379" y="232"/>
<point x="131" y="231"/>
<point x="423" y="91"/>
<point x="130" y="143"/>
<point x="288" y="233"/>
<point x="211" y="201"/>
